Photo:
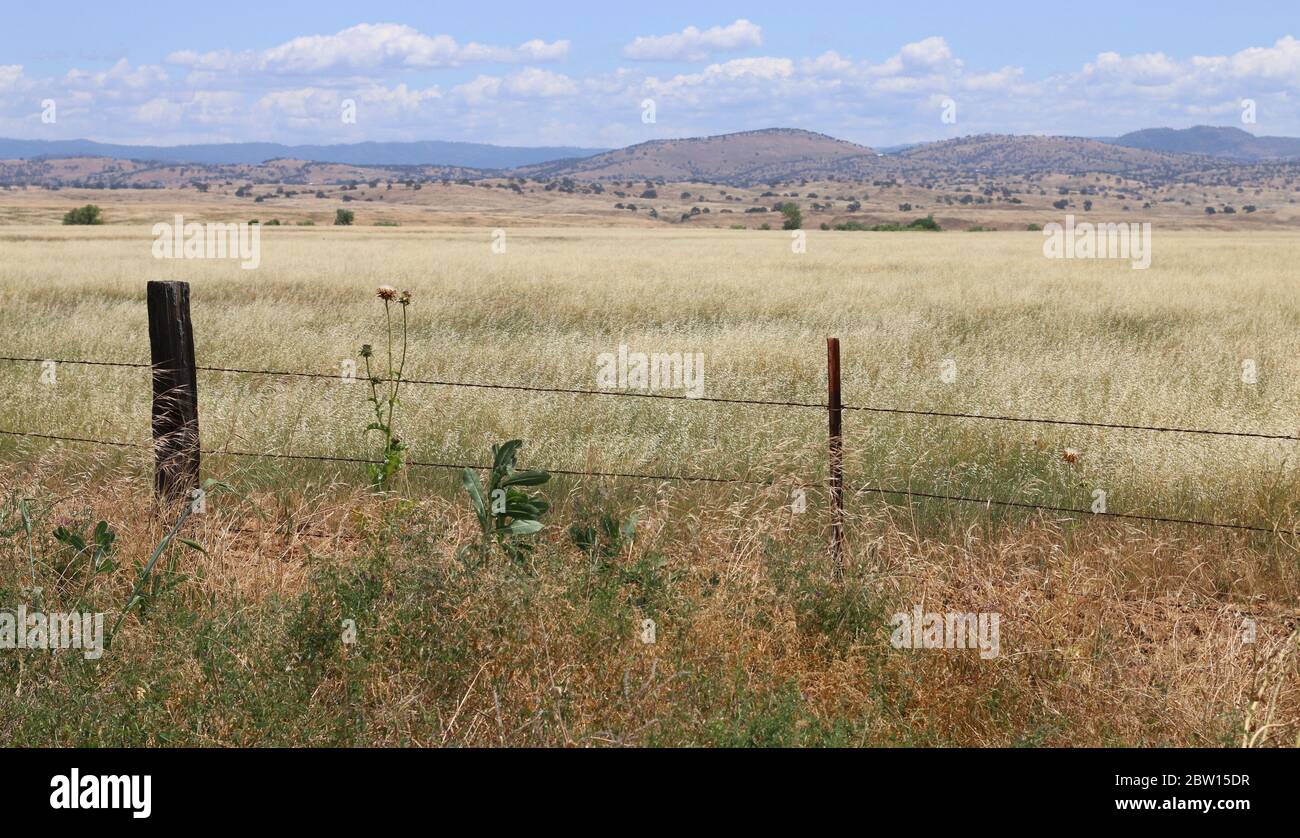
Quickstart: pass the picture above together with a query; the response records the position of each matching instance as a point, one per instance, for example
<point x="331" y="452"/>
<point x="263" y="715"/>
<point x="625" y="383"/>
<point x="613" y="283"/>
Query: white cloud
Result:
<point x="367" y="46"/>
<point x="692" y="44"/>
<point x="532" y="81"/>
<point x="529" y="83"/>
<point x="829" y="63"/>
<point x="929" y="55"/>
<point x="292" y="92"/>
<point x="120" y="76"/>
<point x="478" y="91"/>
<point x="10" y="76"/>
<point x="1280" y="61"/>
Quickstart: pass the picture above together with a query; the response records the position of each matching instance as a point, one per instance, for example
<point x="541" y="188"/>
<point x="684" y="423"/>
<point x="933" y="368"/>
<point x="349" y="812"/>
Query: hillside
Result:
<point x="742" y="158"/>
<point x="1213" y="141"/>
<point x="1004" y="154"/>
<point x="107" y="172"/>
<point x="763" y="158"/>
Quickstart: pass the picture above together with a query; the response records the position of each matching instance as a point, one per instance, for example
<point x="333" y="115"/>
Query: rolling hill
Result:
<point x="741" y="158"/>
<point x="1006" y="154"/>
<point x="1213" y="141"/>
<point x="749" y="158"/>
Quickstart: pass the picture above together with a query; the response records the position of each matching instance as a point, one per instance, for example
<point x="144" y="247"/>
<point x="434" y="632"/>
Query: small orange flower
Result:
<point x="386" y="292"/>
<point x="1070" y="455"/>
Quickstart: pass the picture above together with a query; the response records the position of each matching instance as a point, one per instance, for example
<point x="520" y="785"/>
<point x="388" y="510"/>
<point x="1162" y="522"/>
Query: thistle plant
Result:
<point x="384" y="391"/>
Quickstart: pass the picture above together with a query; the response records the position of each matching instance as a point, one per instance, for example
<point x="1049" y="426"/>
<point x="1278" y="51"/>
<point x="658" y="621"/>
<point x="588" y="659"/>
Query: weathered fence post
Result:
<point x="837" y="452"/>
<point x="175" y="391"/>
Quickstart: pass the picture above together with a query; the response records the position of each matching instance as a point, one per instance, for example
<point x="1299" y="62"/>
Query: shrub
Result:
<point x="793" y="217"/>
<point x="89" y="214"/>
<point x="344" y="218"/>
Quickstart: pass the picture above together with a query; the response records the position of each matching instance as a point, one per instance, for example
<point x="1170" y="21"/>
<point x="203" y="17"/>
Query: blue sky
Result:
<point x="580" y="73"/>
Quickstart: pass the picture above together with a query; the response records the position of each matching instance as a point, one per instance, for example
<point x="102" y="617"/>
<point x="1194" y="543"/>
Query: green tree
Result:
<point x="793" y="217"/>
<point x="89" y="214"/>
<point x="344" y="218"/>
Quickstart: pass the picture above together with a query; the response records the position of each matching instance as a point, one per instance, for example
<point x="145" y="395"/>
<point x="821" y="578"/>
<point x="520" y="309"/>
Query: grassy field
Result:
<point x="1114" y="632"/>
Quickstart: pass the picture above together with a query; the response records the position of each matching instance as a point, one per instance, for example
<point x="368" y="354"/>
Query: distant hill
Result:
<point x="783" y="155"/>
<point x="107" y="172"/>
<point x="742" y="158"/>
<point x="1020" y="155"/>
<point x="748" y="158"/>
<point x="1212" y="141"/>
<point x="424" y="153"/>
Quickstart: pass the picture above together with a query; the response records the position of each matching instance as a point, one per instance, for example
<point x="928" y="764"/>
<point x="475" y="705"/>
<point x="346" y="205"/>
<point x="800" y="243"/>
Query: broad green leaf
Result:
<point x="535" y="477"/>
<point x="475" y="489"/>
<point x="524" y="527"/>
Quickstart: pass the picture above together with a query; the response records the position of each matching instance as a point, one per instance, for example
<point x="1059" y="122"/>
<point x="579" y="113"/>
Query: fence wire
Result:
<point x="686" y="478"/>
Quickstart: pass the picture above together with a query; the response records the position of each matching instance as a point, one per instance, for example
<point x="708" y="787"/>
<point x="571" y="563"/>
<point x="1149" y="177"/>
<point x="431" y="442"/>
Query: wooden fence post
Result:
<point x="175" y="391"/>
<point x="837" y="452"/>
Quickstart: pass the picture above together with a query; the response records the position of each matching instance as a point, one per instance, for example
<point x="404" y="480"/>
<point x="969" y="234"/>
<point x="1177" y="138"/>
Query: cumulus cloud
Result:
<point x="10" y="76"/>
<point x="367" y="46"/>
<point x="120" y="75"/>
<point x="292" y="92"/>
<point x="481" y="89"/>
<point x="692" y="44"/>
<point x="541" y="83"/>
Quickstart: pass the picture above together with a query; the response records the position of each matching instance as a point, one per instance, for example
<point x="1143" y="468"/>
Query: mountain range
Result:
<point x="745" y="158"/>
<point x="427" y="152"/>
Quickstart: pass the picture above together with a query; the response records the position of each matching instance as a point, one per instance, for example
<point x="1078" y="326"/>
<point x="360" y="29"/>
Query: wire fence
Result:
<point x="688" y="478"/>
<point x="528" y="388"/>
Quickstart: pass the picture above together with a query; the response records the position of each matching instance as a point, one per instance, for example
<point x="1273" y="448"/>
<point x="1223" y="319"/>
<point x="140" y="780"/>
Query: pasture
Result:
<point x="1115" y="631"/>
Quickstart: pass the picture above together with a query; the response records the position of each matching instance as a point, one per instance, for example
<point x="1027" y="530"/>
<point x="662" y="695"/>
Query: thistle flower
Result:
<point x="1070" y="455"/>
<point x="405" y="298"/>
<point x="366" y="351"/>
<point x="386" y="292"/>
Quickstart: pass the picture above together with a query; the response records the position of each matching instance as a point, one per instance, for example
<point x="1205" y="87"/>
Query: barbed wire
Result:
<point x="76" y="361"/>
<point x="690" y="479"/>
<point x="882" y="490"/>
<point x="707" y="399"/>
<point x="1076" y="422"/>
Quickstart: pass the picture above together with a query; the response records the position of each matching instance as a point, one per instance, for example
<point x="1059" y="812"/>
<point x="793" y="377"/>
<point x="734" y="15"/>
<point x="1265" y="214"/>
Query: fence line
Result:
<point x="1156" y="519"/>
<point x="710" y="399"/>
<point x="849" y="489"/>
<point x="177" y="447"/>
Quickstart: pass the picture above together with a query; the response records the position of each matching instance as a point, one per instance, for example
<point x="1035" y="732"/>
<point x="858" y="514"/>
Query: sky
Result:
<point x="616" y="73"/>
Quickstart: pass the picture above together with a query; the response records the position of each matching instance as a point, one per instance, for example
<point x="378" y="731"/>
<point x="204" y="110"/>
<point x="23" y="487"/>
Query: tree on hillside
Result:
<point x="343" y="218"/>
<point x="793" y="217"/>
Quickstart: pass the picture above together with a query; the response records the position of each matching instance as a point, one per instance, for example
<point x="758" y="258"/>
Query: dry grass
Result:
<point x="756" y="643"/>
<point x="1112" y="633"/>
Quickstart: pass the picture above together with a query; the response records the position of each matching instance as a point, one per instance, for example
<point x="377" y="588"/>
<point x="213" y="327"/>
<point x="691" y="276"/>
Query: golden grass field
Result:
<point x="1114" y="631"/>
